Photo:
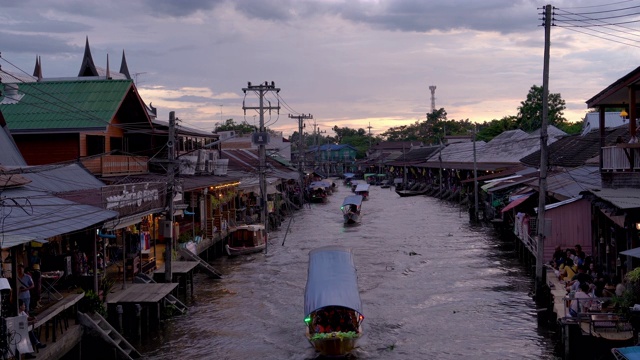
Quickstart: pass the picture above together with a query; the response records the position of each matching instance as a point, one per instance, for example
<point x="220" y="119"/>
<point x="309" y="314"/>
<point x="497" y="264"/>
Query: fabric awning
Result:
<point x="515" y="203"/>
<point x="633" y="252"/>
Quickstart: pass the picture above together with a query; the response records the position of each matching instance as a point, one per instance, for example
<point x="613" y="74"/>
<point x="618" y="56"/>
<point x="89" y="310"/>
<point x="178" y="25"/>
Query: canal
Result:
<point x="432" y="286"/>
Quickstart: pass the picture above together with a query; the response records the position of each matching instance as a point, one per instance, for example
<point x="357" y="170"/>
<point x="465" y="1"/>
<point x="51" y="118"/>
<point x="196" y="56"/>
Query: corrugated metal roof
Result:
<point x="60" y="105"/>
<point x="40" y="215"/>
<point x="9" y="153"/>
<point x="576" y="150"/>
<point x="569" y="183"/>
<point x="248" y="161"/>
<point x="513" y="145"/>
<point x="625" y="198"/>
<point x="60" y="178"/>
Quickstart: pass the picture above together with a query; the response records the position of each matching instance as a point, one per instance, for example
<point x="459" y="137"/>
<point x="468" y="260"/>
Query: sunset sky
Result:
<point x="350" y="63"/>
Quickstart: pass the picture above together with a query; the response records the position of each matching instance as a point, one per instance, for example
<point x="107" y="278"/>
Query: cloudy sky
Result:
<point x="350" y="63"/>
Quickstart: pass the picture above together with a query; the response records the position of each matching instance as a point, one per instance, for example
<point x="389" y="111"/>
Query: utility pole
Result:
<point x="262" y="138"/>
<point x="475" y="175"/>
<point x="301" y="119"/>
<point x="542" y="193"/>
<point x="168" y="256"/>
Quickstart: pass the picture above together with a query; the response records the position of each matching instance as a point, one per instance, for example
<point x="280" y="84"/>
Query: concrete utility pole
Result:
<point x="542" y="193"/>
<point x="168" y="257"/>
<point x="475" y="174"/>
<point x="262" y="138"/>
<point x="301" y="119"/>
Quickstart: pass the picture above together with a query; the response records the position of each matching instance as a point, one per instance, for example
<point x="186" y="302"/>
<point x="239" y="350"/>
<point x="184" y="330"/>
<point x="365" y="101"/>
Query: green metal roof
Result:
<point x="63" y="105"/>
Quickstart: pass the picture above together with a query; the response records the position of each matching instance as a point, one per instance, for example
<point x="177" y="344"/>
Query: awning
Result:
<point x="515" y="203"/>
<point x="37" y="215"/>
<point x="633" y="252"/>
<point x="129" y="220"/>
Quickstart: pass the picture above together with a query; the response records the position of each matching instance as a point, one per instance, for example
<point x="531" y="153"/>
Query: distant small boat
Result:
<point x="351" y="209"/>
<point x="416" y="189"/>
<point x="319" y="191"/>
<point x="246" y="239"/>
<point x="332" y="305"/>
<point x="354" y="185"/>
<point x="363" y="189"/>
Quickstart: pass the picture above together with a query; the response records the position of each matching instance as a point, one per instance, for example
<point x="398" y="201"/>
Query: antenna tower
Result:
<point x="433" y="98"/>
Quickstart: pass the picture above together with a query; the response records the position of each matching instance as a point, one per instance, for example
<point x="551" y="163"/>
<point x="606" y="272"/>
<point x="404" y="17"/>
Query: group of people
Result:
<point x="583" y="278"/>
<point x="334" y="319"/>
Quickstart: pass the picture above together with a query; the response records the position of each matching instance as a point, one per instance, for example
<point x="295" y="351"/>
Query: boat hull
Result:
<point x="407" y="193"/>
<point x="334" y="346"/>
<point x="350" y="219"/>
<point x="234" y="251"/>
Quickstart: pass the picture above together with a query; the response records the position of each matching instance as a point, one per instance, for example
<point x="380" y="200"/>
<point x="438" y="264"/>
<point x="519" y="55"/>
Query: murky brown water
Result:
<point x="431" y="287"/>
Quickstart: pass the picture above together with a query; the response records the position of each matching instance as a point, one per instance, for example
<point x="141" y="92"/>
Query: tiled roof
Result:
<point x="64" y="105"/>
<point x="575" y="150"/>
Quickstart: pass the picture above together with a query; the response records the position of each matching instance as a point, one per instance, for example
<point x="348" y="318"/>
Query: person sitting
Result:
<point x="558" y="258"/>
<point x="581" y="277"/>
<point x="579" y="302"/>
<point x="32" y="337"/>
<point x="567" y="271"/>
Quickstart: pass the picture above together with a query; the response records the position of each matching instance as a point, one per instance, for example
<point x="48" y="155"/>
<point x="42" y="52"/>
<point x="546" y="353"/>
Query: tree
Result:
<point x="530" y="111"/>
<point x="493" y="128"/>
<point x="242" y="128"/>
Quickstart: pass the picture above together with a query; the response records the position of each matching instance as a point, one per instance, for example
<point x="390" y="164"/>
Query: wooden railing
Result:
<point x="113" y="165"/>
<point x="615" y="158"/>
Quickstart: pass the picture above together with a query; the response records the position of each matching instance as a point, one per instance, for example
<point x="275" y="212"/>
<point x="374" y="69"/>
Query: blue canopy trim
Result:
<point x="352" y="200"/>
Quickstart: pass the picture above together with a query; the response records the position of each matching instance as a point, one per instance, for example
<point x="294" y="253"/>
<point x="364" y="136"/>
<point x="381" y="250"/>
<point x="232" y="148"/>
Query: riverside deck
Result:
<point x="181" y="271"/>
<point x="611" y="332"/>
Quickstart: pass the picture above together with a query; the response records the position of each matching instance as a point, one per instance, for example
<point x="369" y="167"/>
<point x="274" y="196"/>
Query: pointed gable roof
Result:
<point x="88" y="68"/>
<point x="71" y="106"/>
<point x="37" y="71"/>
<point x="124" y="69"/>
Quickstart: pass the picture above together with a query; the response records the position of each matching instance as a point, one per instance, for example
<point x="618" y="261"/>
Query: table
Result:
<point x="49" y="281"/>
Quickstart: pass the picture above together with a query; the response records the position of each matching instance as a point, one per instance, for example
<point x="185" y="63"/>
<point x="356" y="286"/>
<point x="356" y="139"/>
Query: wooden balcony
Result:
<point x="621" y="166"/>
<point x="116" y="165"/>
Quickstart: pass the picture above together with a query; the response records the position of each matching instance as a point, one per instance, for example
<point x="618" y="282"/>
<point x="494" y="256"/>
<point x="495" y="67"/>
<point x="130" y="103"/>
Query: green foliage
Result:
<point x="571" y="128"/>
<point x="489" y="130"/>
<point x="530" y="111"/>
<point x="242" y="128"/>
<point x="631" y="294"/>
<point x="106" y="284"/>
<point x="91" y="303"/>
<point x="333" y="335"/>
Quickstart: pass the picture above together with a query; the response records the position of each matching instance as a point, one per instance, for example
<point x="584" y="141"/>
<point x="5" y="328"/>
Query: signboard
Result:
<point x="260" y="138"/>
<point x="134" y="198"/>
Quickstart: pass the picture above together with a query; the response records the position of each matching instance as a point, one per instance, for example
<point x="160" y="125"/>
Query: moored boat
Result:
<point x="246" y="239"/>
<point x="416" y="189"/>
<point x="351" y="209"/>
<point x="332" y="305"/>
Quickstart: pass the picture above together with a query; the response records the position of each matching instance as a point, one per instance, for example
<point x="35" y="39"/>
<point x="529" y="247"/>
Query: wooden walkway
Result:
<point x="142" y="293"/>
<point x="181" y="270"/>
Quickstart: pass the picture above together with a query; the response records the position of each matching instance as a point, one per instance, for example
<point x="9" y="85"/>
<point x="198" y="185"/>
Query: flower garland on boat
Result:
<point x="336" y="334"/>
